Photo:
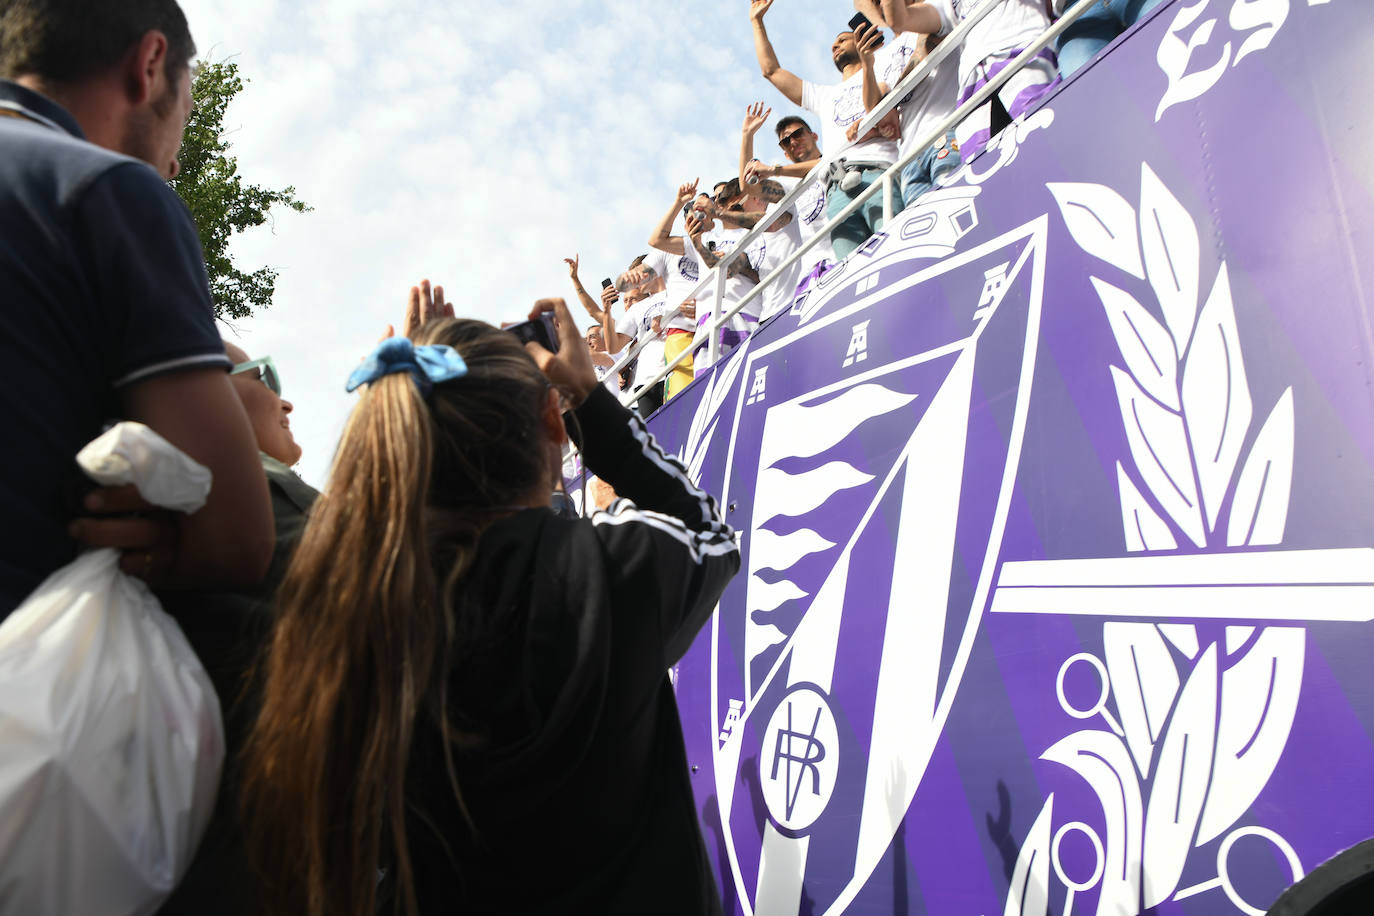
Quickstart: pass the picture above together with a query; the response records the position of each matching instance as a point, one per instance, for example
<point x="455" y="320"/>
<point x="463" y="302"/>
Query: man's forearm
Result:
<point x="662" y="234"/>
<point x="740" y="219"/>
<point x="798" y="169"/>
<point x="587" y="301"/>
<point x="873" y="90"/>
<point x="707" y="257"/>
<point x="911" y="16"/>
<point x="746" y="153"/>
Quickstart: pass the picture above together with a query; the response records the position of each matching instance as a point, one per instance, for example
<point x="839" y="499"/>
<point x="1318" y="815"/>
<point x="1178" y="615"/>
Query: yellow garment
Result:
<point x="682" y="376"/>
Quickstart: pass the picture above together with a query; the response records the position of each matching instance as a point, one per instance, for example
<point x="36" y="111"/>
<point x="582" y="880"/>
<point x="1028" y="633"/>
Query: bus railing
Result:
<point x="714" y="324"/>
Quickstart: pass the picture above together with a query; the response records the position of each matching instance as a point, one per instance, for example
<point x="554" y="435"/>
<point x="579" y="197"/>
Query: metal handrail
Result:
<point x="893" y="98"/>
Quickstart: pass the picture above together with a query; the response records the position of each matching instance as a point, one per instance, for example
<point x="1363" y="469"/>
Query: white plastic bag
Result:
<point x="110" y="735"/>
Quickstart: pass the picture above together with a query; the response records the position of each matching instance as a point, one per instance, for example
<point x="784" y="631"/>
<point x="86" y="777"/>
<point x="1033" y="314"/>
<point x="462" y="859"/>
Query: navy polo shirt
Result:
<point x="102" y="286"/>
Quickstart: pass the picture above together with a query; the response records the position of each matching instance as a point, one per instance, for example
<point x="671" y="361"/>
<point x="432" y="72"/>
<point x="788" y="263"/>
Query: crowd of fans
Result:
<point x="438" y="693"/>
<point x="651" y="301"/>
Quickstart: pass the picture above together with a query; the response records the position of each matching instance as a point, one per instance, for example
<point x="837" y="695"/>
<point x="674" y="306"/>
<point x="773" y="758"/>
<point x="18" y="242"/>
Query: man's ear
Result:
<point x="554" y="430"/>
<point x="145" y="68"/>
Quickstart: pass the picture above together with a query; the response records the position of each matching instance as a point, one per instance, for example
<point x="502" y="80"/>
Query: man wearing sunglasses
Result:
<point x="855" y="166"/>
<point x="798" y="143"/>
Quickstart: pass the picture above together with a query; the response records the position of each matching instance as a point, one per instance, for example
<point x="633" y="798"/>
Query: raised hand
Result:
<point x="609" y="297"/>
<point x="686" y="193"/>
<point x="572" y="267"/>
<point x="755" y="116"/>
<point x="570" y="369"/>
<point x="695" y="226"/>
<point x="757" y="9"/>
<point x="868" y="40"/>
<point x="423" y="306"/>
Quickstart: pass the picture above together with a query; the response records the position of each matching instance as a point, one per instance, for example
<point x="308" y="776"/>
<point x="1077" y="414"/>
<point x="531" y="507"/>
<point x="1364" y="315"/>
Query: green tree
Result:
<point x="221" y="202"/>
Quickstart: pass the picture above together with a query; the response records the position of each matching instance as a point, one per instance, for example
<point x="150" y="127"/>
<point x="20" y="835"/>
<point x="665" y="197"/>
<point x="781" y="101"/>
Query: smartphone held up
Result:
<point x="540" y="330"/>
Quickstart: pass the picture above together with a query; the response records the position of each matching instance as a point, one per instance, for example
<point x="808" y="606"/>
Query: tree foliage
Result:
<point x="222" y="203"/>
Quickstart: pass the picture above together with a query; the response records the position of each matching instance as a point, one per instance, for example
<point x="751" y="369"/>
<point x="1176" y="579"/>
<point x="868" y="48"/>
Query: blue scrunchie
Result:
<point x="428" y="365"/>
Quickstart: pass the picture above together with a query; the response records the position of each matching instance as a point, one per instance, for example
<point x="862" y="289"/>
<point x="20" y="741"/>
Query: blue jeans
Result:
<point x="861" y="224"/>
<point x="930" y="168"/>
<point x="1095" y="29"/>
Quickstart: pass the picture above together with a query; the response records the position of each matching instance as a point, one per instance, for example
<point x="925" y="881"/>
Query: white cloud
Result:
<point x="476" y="145"/>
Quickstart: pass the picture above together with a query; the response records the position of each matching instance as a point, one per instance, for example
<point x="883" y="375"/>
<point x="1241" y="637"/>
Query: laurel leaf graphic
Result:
<point x="1159" y="446"/>
<point x="1104" y="763"/>
<point x="1145" y="530"/>
<point x="1183" y="636"/>
<point x="1259" y="510"/>
<point x="1170" y="242"/>
<point x="1216" y="397"/>
<point x="1180" y="783"/>
<point x="1101" y="222"/>
<point x="1029" y="894"/>
<point x="1145" y="345"/>
<point x="1259" y="699"/>
<point x="1144" y="683"/>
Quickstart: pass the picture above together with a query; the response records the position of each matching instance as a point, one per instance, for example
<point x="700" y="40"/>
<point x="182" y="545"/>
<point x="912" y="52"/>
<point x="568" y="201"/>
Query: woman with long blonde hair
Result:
<point x="465" y="700"/>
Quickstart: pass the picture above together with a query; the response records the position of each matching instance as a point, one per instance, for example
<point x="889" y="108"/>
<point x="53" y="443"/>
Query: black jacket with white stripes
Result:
<point x="579" y="787"/>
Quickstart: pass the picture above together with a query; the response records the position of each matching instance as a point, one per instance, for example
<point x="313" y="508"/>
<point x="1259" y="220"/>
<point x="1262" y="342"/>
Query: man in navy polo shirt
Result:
<point x="105" y="309"/>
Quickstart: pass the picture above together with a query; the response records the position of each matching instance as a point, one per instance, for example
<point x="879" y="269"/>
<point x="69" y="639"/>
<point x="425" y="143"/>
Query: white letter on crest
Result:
<point x="1175" y="54"/>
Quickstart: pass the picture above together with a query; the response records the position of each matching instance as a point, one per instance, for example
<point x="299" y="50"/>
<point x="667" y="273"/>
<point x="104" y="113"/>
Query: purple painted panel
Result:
<point x="1057" y="509"/>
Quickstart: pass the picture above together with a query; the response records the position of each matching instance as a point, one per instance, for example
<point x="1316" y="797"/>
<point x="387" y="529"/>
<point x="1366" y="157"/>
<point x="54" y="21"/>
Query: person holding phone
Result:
<point x="852" y="168"/>
<point x="466" y="704"/>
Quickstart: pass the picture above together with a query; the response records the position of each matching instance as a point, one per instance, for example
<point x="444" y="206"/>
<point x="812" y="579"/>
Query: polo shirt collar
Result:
<point x="38" y="107"/>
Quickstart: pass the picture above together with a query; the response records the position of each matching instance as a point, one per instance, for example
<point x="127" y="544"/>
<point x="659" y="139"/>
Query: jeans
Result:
<point x="930" y="168"/>
<point x="1095" y="29"/>
<point x="855" y="230"/>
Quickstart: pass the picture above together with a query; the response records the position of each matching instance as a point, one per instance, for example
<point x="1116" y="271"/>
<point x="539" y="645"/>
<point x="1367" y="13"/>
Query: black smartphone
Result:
<point x="857" y="20"/>
<point x="606" y="283"/>
<point x="540" y="330"/>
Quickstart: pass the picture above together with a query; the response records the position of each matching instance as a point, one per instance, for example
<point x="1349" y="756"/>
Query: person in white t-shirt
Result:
<point x="852" y="167"/>
<point x="789" y="229"/>
<point x="676" y="276"/>
<point x="705" y="243"/>
<point x="925" y="106"/>
<point x="995" y="41"/>
<point x="603" y="357"/>
<point x="602" y="361"/>
<point x="770" y="183"/>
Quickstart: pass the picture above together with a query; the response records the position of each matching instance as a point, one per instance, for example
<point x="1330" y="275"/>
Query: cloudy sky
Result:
<point x="475" y="144"/>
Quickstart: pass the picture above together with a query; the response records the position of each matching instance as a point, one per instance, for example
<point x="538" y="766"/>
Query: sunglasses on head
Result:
<point x="267" y="374"/>
<point x="787" y="138"/>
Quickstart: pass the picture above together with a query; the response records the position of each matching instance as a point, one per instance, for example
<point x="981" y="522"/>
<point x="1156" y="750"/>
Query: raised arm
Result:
<point x="755" y="116"/>
<point x="913" y="16"/>
<point x="868" y="41"/>
<point x="615" y="341"/>
<point x="583" y="296"/>
<point x="662" y="236"/>
<point x="787" y="82"/>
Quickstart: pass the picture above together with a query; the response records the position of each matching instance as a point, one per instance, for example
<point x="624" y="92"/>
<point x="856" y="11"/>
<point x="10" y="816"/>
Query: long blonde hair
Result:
<point x="360" y="654"/>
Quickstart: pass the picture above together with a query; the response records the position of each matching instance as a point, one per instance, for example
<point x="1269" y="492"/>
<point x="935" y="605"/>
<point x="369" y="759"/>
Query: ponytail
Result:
<point x="361" y="652"/>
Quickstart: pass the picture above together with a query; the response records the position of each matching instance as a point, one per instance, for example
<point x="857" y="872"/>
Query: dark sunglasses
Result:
<point x="787" y="138"/>
<point x="267" y="374"/>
